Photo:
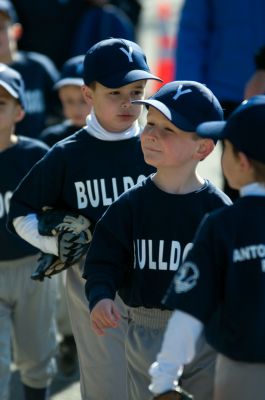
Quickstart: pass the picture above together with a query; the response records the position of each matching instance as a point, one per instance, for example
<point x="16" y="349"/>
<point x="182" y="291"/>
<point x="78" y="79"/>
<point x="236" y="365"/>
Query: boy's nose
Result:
<point x="126" y="102"/>
<point x="150" y="134"/>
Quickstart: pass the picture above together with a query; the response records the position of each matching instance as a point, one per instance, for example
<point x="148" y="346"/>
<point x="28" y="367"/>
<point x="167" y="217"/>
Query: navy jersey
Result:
<point x="141" y="240"/>
<point x="81" y="173"/>
<point x="15" y="162"/>
<point x="222" y="282"/>
<point x="39" y="75"/>
<point x="54" y="133"/>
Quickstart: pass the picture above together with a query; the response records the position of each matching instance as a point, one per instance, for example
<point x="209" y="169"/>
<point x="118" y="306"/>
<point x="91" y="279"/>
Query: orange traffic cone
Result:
<point x="165" y="67"/>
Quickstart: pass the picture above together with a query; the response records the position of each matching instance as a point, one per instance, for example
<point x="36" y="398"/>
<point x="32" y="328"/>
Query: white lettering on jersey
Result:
<point x="250" y="253"/>
<point x="4" y="203"/>
<point x="141" y="253"/>
<point x="106" y="200"/>
<point x="34" y="101"/>
<point x="175" y="255"/>
<point x="94" y="192"/>
<point x="128" y="53"/>
<point x="181" y="92"/>
<point x="152" y="264"/>
<point x="162" y="264"/>
<point x="166" y="260"/>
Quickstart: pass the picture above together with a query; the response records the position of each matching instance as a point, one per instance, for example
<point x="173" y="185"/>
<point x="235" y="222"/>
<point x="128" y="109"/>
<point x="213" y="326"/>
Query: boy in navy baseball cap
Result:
<point x="219" y="289"/>
<point x="23" y="304"/>
<point x="141" y="239"/>
<point x="85" y="173"/>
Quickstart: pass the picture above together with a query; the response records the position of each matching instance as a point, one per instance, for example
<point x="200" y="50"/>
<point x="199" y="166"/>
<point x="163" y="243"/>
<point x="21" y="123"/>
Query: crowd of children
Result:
<point x="170" y="292"/>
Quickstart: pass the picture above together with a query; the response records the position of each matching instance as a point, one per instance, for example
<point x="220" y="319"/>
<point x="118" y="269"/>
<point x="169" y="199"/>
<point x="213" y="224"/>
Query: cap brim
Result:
<point x="156" y="104"/>
<point x="121" y="79"/>
<point x="69" y="81"/>
<point x="174" y="117"/>
<point x="9" y="89"/>
<point x="212" y="130"/>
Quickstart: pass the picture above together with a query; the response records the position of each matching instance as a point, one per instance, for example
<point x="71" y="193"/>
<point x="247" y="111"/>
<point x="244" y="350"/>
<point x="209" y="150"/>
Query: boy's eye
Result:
<point x="169" y="130"/>
<point x="137" y="93"/>
<point x="149" y="124"/>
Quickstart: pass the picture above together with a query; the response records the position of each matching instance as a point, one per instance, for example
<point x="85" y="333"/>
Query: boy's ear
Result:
<point x="205" y="147"/>
<point x="87" y="93"/>
<point x="244" y="161"/>
<point x="20" y="114"/>
<point x="16" y="31"/>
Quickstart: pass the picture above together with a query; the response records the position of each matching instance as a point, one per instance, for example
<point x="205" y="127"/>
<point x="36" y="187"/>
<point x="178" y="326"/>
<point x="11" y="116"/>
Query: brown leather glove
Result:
<point x="177" y="394"/>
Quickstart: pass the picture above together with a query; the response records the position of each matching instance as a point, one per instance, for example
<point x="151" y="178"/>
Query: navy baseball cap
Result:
<point x="245" y="128"/>
<point x="12" y="82"/>
<point x="116" y="62"/>
<point x="7" y="8"/>
<point x="72" y="72"/>
<point x="186" y="104"/>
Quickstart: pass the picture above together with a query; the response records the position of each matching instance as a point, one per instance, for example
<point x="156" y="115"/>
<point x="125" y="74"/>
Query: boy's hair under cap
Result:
<point x="186" y="104"/>
<point x="12" y="82"/>
<point x="72" y="72"/>
<point x="7" y="8"/>
<point x="245" y="128"/>
<point x="116" y="62"/>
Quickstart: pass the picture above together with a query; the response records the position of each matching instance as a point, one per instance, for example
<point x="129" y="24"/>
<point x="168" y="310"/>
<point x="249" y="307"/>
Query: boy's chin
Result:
<point x="150" y="162"/>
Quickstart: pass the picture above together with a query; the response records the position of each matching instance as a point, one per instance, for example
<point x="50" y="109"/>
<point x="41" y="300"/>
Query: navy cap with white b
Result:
<point x="186" y="104"/>
<point x="116" y="62"/>
<point x="72" y="72"/>
<point x="13" y="83"/>
<point x="245" y="128"/>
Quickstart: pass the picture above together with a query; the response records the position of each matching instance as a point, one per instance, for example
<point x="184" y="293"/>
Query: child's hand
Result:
<point x="104" y="315"/>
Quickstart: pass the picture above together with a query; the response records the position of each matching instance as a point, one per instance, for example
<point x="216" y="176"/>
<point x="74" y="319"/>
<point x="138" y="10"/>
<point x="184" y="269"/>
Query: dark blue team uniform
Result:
<point x="54" y="133"/>
<point x="141" y="241"/>
<point x="15" y="162"/>
<point x="81" y="173"/>
<point x="228" y="295"/>
<point x="39" y="75"/>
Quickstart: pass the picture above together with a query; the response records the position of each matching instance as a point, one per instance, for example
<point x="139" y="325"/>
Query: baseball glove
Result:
<point x="74" y="236"/>
<point x="52" y="221"/>
<point x="175" y="394"/>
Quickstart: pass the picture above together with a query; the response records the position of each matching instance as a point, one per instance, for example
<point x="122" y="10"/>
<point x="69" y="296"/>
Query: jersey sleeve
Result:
<point x="110" y="254"/>
<point x="39" y="188"/>
<point x="196" y="286"/>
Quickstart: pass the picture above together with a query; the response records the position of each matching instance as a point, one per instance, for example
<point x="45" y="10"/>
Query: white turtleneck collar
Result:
<point x="94" y="128"/>
<point x="253" y="189"/>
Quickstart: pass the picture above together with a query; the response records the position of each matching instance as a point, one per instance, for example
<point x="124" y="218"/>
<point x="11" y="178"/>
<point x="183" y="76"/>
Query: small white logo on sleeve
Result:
<point x="186" y="277"/>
